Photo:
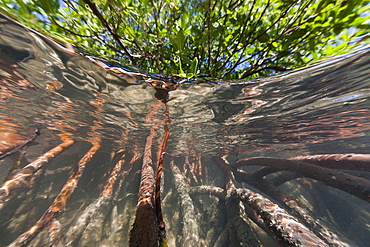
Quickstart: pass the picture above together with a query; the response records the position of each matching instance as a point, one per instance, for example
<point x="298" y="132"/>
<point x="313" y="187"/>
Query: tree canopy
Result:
<point x="201" y="38"/>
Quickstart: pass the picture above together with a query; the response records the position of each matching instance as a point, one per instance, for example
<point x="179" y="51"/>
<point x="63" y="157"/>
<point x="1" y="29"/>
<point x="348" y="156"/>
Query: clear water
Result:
<point x="323" y="109"/>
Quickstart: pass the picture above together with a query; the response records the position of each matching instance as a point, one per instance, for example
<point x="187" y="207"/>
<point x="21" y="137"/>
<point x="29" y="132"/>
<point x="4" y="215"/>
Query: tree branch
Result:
<point x="356" y="186"/>
<point x="95" y="10"/>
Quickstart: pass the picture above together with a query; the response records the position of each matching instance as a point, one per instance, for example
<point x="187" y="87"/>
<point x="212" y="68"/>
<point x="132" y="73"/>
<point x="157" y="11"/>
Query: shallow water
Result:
<point x="322" y="109"/>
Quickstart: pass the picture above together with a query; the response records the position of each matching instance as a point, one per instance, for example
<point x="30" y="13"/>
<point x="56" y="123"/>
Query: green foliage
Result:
<point x="194" y="38"/>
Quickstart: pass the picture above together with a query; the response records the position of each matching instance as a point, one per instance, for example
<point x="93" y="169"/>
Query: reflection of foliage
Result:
<point x="229" y="39"/>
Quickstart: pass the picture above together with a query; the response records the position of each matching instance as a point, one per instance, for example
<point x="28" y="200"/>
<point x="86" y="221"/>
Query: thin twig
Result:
<point x="37" y="133"/>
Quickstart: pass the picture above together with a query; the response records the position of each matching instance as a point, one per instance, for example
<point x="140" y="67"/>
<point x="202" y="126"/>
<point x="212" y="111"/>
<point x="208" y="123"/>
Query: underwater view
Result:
<point x="96" y="155"/>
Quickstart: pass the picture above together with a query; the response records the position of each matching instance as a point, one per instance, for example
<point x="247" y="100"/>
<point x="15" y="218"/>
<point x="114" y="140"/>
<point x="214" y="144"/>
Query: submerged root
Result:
<point x="354" y="185"/>
<point x="286" y="228"/>
<point x="144" y="232"/>
<point x="223" y="239"/>
<point x="158" y="206"/>
<point x="321" y="229"/>
<point x="245" y="214"/>
<point x="89" y="226"/>
<point x="208" y="190"/>
<point x="93" y="232"/>
<point x="55" y="234"/>
<point x="22" y="177"/>
<point x="75" y="231"/>
<point x="60" y="201"/>
<point x="239" y="231"/>
<point x="190" y="228"/>
<point x="149" y="227"/>
<point x="357" y="162"/>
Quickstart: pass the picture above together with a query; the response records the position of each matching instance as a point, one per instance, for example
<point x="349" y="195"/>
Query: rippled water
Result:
<point x="323" y="109"/>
